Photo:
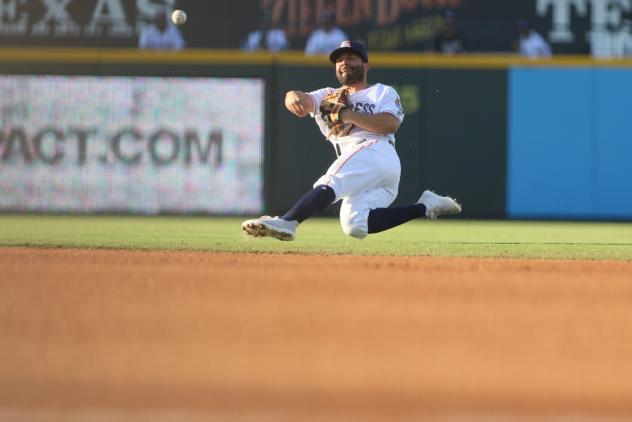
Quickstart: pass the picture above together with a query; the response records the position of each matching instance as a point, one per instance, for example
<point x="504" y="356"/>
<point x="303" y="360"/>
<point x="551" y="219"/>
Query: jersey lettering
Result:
<point x="372" y="100"/>
<point x="364" y="108"/>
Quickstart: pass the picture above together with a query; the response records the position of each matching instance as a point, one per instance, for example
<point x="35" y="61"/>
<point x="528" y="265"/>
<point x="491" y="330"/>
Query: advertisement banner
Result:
<point x="602" y="28"/>
<point x="119" y="23"/>
<point x="131" y="144"/>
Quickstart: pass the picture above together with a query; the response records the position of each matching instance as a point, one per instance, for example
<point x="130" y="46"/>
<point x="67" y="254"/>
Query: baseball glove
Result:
<point x="330" y="109"/>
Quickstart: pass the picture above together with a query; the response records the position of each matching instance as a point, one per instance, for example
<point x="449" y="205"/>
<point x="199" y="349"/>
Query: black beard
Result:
<point x="356" y="75"/>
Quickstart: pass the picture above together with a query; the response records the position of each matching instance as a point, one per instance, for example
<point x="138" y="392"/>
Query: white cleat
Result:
<point x="437" y="205"/>
<point x="267" y="226"/>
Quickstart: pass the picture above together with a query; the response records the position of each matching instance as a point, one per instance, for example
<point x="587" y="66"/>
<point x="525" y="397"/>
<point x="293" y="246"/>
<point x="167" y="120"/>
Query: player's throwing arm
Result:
<point x="299" y="103"/>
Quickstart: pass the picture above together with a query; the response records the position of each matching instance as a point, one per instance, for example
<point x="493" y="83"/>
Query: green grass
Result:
<point x="511" y="239"/>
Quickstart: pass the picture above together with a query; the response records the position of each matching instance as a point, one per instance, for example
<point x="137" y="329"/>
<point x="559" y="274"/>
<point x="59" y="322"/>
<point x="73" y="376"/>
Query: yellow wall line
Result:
<point x="235" y="57"/>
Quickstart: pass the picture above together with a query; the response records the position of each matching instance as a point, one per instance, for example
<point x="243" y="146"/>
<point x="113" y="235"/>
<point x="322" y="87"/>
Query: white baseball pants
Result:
<point x="365" y="177"/>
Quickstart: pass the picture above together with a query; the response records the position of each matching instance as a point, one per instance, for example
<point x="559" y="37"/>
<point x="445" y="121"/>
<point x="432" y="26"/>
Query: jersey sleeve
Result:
<point x="317" y="97"/>
<point x="391" y="103"/>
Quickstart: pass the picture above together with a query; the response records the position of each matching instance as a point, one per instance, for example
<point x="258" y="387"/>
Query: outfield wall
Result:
<point x="141" y="132"/>
<point x="570" y="143"/>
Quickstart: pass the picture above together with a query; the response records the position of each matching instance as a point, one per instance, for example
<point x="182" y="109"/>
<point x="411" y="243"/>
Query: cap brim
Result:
<point x="333" y="56"/>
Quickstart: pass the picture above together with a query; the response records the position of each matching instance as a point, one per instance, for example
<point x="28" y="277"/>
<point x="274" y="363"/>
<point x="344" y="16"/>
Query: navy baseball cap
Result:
<point x="352" y="46"/>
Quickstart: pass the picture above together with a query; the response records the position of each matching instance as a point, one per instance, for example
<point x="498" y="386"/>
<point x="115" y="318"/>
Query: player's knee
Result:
<point x="355" y="227"/>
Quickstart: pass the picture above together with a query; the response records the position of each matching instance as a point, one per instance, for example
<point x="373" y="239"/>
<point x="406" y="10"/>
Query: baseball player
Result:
<point x="360" y="120"/>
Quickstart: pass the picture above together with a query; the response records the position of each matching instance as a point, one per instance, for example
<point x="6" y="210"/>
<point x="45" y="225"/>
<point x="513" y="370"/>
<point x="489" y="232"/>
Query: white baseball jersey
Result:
<point x="153" y="38"/>
<point x="366" y="174"/>
<point x="534" y="46"/>
<point x="377" y="98"/>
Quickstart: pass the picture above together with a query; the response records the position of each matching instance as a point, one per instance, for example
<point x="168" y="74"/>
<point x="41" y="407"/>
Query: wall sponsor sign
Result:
<point x="119" y="23"/>
<point x="68" y="18"/>
<point x="131" y="144"/>
<point x="604" y="26"/>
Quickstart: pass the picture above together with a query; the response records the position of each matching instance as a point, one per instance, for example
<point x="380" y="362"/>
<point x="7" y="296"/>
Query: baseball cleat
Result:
<point x="437" y="205"/>
<point x="267" y="226"/>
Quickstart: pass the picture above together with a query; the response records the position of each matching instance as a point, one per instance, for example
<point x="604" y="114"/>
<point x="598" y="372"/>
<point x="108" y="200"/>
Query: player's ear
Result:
<point x="366" y="67"/>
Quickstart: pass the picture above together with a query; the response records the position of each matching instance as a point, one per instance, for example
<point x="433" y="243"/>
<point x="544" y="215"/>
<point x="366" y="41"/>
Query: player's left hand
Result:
<point x="331" y="110"/>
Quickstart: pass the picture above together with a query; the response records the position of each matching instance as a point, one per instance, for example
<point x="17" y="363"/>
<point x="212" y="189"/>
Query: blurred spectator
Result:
<point x="327" y="37"/>
<point x="161" y="34"/>
<point x="267" y="37"/>
<point x="531" y="43"/>
<point x="621" y="40"/>
<point x="449" y="39"/>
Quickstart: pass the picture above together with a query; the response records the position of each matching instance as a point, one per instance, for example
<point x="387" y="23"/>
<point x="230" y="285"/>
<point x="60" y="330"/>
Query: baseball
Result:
<point x="179" y="17"/>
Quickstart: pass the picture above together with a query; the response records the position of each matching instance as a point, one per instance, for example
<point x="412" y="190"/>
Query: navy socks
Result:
<point x="311" y="203"/>
<point x="381" y="219"/>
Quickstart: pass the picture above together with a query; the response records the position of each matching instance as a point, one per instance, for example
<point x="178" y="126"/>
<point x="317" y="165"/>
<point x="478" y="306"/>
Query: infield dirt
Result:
<point x="115" y="335"/>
